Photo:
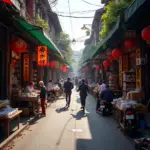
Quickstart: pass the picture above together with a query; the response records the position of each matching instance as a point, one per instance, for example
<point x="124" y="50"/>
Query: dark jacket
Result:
<point x="107" y="95"/>
<point x="83" y="89"/>
<point x="68" y="86"/>
<point x="43" y="93"/>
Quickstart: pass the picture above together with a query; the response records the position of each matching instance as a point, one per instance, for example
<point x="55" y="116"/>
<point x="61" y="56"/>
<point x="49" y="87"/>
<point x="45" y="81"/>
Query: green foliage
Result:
<point x="63" y="43"/>
<point x="112" y="12"/>
<point x="41" y="22"/>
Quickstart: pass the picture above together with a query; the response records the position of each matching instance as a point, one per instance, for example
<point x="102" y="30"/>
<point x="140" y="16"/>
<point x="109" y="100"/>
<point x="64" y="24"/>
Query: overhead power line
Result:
<point x="90" y="3"/>
<point x="74" y="16"/>
<point x="76" y="12"/>
<point x="70" y="17"/>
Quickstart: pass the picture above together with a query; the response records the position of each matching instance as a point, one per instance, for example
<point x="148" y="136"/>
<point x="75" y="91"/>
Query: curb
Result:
<point x="15" y="134"/>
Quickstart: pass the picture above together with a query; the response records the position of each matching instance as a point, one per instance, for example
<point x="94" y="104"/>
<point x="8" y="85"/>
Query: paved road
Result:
<point x="72" y="130"/>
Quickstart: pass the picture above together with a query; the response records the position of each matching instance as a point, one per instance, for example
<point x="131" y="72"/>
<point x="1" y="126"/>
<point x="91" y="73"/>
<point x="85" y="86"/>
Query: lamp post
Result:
<point x="86" y="28"/>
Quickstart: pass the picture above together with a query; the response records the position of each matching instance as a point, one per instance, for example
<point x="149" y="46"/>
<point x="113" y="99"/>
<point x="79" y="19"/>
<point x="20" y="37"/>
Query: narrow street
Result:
<point x="72" y="130"/>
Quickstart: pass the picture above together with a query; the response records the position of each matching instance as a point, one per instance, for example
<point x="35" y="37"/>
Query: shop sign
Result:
<point x="138" y="70"/>
<point x="42" y="55"/>
<point x="26" y="67"/>
<point x="130" y="34"/>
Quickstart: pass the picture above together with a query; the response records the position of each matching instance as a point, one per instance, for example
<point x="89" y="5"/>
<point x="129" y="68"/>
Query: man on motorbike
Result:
<point x="107" y="95"/>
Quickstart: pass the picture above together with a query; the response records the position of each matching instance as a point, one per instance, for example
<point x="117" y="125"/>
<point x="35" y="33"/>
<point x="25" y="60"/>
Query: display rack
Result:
<point x="129" y="82"/>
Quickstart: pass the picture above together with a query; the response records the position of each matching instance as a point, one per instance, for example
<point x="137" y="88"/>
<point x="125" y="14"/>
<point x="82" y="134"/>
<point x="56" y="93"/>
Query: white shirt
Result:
<point x="102" y="87"/>
<point x="49" y="86"/>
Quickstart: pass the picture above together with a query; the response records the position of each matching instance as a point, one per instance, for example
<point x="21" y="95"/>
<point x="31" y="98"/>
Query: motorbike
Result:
<point x="143" y="144"/>
<point x="130" y="119"/>
<point x="105" y="108"/>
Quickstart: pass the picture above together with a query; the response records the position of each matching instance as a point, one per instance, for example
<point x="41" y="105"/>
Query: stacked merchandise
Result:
<point x="129" y="82"/>
<point x="123" y="104"/>
<point x="8" y="111"/>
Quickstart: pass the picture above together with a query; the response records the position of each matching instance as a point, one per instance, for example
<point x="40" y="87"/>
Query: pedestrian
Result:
<point x="50" y="89"/>
<point x="83" y="89"/>
<point x="29" y="88"/>
<point x="102" y="87"/>
<point x="68" y="86"/>
<point x="60" y="86"/>
<point x="43" y="96"/>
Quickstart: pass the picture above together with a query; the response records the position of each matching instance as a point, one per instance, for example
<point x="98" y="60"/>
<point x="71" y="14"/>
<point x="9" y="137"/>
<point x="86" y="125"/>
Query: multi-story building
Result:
<point x="96" y="28"/>
<point x="34" y="23"/>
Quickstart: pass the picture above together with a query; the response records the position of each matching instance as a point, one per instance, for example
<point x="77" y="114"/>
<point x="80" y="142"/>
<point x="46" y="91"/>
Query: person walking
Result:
<point x="101" y="88"/>
<point x="68" y="86"/>
<point x="43" y="96"/>
<point x="83" y="89"/>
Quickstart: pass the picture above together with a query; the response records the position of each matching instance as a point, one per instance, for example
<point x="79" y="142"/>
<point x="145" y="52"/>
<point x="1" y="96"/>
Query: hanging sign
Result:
<point x="125" y="63"/>
<point x="138" y="70"/>
<point x="26" y="67"/>
<point x="42" y="53"/>
<point x="120" y="72"/>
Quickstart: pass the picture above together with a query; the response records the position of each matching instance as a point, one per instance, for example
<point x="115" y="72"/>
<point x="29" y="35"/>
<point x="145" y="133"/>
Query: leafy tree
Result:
<point x="112" y="12"/>
<point x="63" y="43"/>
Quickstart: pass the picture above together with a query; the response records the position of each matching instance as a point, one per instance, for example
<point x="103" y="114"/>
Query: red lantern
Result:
<point x="18" y="45"/>
<point x="7" y="1"/>
<point x="106" y="63"/>
<point x="116" y="53"/>
<point x="52" y="64"/>
<point x="129" y="44"/>
<point x="146" y="33"/>
<point x="98" y="68"/>
<point x="111" y="58"/>
<point x="64" y="68"/>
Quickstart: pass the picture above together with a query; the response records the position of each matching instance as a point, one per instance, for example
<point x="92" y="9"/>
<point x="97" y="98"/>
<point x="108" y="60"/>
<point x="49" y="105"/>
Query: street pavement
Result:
<point x="72" y="130"/>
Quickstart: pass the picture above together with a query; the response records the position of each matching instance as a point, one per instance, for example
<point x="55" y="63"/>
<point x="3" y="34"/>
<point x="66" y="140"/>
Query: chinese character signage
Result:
<point x="26" y="67"/>
<point x="138" y="70"/>
<point x="42" y="55"/>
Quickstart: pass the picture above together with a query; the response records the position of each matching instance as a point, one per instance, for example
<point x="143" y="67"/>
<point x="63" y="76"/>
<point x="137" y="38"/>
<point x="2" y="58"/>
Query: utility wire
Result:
<point x="70" y="18"/>
<point x="74" y="16"/>
<point x="90" y="3"/>
<point x="76" y="12"/>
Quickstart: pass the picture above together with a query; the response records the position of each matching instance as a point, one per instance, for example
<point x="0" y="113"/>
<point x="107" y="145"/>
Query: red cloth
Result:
<point x="43" y="106"/>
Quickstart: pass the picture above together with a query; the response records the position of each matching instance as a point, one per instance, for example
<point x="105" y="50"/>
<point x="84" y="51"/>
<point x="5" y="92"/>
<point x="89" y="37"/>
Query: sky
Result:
<point x="75" y="31"/>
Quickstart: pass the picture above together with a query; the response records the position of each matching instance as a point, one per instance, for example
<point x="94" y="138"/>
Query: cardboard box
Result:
<point x="136" y="96"/>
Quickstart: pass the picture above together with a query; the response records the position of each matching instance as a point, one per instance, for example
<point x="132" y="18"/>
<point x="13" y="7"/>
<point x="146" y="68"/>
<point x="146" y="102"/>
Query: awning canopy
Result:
<point x="88" y="52"/>
<point x="37" y="33"/>
<point x="109" y="40"/>
<point x="134" y="7"/>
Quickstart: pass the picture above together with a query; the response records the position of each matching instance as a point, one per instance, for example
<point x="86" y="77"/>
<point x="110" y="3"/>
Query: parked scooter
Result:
<point x="142" y="144"/>
<point x="105" y="108"/>
<point x="130" y="119"/>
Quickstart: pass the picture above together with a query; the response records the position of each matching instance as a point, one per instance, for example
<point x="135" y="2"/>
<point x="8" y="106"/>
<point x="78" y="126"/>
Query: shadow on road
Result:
<point x="103" y="131"/>
<point x="80" y="114"/>
<point x="59" y="110"/>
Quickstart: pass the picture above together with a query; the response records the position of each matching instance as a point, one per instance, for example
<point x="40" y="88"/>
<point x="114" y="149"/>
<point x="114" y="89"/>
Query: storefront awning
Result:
<point x="107" y="39"/>
<point x="63" y="61"/>
<point x="37" y="33"/>
<point x="133" y="8"/>
<point x="88" y="51"/>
